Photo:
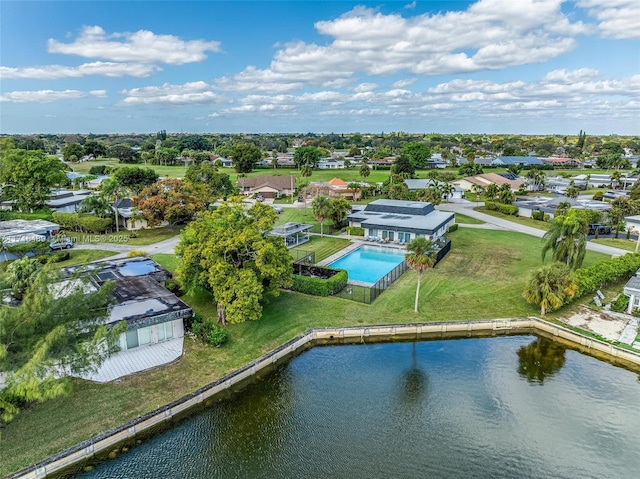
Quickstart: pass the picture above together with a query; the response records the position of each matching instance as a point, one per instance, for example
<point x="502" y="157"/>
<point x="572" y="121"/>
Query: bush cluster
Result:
<point x="82" y="223"/>
<point x="601" y="272"/>
<point x="320" y="287"/>
<point x="620" y="304"/>
<point x="173" y="286"/>
<point x="538" y="215"/>
<point x="510" y="210"/>
<point x="453" y="227"/>
<point x="207" y="330"/>
<point x="356" y="231"/>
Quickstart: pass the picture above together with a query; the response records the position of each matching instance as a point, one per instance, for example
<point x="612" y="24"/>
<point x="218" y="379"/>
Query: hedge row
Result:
<point x="356" y="231"/>
<point x="540" y="215"/>
<point x="453" y="227"/>
<point x="43" y="214"/>
<point x="82" y="223"/>
<point x="605" y="271"/>
<point x="320" y="287"/>
<point x="510" y="210"/>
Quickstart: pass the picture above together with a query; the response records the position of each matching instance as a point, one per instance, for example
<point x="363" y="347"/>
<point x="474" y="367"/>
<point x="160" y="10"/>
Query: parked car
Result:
<point x="601" y="229"/>
<point x="260" y="198"/>
<point x="277" y="208"/>
<point x="61" y="243"/>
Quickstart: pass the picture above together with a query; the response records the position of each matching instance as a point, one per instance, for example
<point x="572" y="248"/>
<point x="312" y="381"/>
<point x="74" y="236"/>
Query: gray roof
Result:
<point x="26" y="227"/>
<point x="421" y="208"/>
<point x="517" y="160"/>
<point x="633" y="283"/>
<point x="399" y="215"/>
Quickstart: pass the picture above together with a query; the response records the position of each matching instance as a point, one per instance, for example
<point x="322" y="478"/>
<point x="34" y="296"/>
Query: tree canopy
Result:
<point x="417" y="153"/>
<point x="230" y="253"/>
<point x="307" y="155"/>
<point x="134" y="178"/>
<point x="172" y="200"/>
<point x="550" y="287"/>
<point x="566" y="238"/>
<point x="209" y="184"/>
<point x="57" y="329"/>
<point x="28" y="176"/>
<point x="245" y="156"/>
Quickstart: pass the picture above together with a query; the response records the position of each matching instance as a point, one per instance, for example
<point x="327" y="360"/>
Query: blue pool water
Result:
<point x="369" y="263"/>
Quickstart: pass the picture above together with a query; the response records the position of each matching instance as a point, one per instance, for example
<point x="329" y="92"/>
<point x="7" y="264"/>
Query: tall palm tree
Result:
<point x="566" y="238"/>
<point x="305" y="171"/>
<point x="447" y="191"/>
<point x="321" y="210"/>
<point x="421" y="257"/>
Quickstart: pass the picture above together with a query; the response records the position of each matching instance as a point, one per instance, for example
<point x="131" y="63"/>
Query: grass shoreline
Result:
<point x="482" y="277"/>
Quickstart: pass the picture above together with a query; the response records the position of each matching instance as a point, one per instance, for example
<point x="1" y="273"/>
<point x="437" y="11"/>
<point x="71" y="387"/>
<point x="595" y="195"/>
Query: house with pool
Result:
<point x="399" y="221"/>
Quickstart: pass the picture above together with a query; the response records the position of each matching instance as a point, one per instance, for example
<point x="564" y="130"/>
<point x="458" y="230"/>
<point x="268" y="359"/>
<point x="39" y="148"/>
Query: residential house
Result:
<point x="423" y="184"/>
<point x="487" y="179"/>
<point x="516" y="160"/>
<point x="268" y="186"/>
<point x="561" y="162"/>
<point x="335" y="188"/>
<point x="401" y="221"/>
<point x="330" y="163"/>
<point x="154" y="316"/>
<point x="65" y="201"/>
<point x="547" y="205"/>
<point x="632" y="289"/>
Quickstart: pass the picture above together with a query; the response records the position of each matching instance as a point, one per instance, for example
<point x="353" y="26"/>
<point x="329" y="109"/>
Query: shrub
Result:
<point x="173" y="286"/>
<point x="538" y="215"/>
<point x="136" y="252"/>
<point x="318" y="286"/>
<point x="98" y="170"/>
<point x="58" y="257"/>
<point x="453" y="227"/>
<point x="356" y="231"/>
<point x="598" y="196"/>
<point x="620" y="304"/>
<point x="207" y="330"/>
<point x="606" y="270"/>
<point x="510" y="210"/>
<point x="93" y="224"/>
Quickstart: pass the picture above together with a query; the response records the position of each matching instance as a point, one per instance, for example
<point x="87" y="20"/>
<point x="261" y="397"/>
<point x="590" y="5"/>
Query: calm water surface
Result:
<point x="513" y="407"/>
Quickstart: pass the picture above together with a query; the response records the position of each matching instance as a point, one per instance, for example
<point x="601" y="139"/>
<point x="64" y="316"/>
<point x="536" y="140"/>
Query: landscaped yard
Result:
<point x="80" y="256"/>
<point x="163" y="171"/>
<point x="622" y="243"/>
<point x="482" y="277"/>
<point x="522" y="220"/>
<point x="303" y="215"/>
<point x="464" y="219"/>
<point x="142" y="237"/>
<point x="323" y="247"/>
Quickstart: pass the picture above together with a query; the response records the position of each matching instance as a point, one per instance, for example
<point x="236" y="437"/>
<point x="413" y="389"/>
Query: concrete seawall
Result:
<point x="72" y="460"/>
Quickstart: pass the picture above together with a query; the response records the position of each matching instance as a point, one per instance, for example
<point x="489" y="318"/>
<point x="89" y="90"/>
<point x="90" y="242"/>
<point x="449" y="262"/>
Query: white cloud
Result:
<point x="570" y="76"/>
<point x="410" y="6"/>
<point x="53" y="72"/>
<point x="403" y="83"/>
<point x="48" y="96"/>
<point x="142" y="46"/>
<point x="188" y="94"/>
<point x="618" y="19"/>
<point x="364" y="87"/>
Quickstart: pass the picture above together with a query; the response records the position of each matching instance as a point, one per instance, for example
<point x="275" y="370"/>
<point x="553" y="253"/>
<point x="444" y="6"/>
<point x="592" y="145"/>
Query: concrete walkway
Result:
<point x="467" y="209"/>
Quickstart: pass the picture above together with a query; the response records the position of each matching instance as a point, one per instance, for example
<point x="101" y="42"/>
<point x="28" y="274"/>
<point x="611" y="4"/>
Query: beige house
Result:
<point x="485" y="180"/>
<point x="268" y="186"/>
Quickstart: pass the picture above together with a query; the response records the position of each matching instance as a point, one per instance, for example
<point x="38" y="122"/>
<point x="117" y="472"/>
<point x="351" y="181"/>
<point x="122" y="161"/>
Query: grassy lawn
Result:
<point x="460" y="218"/>
<point x="627" y="244"/>
<point x="304" y="215"/>
<point x="79" y="256"/>
<point x="142" y="237"/>
<point x="164" y="171"/>
<point x="482" y="277"/>
<point x="541" y="225"/>
<point x="324" y="247"/>
<point x="169" y="261"/>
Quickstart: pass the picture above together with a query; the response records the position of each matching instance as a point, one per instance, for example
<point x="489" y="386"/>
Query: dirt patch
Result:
<point x="600" y="323"/>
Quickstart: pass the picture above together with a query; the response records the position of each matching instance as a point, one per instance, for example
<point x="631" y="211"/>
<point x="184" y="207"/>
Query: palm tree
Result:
<point x="112" y="190"/>
<point x="447" y="191"/>
<point x="421" y="257"/>
<point x="505" y="195"/>
<point x="567" y="239"/>
<point x="491" y="191"/>
<point x="305" y="171"/>
<point x="321" y="210"/>
<point x="550" y="287"/>
<point x="616" y="176"/>
<point x="20" y="275"/>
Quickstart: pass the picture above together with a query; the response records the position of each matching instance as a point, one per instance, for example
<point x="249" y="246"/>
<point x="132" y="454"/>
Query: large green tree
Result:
<point x="57" y="329"/>
<point x="172" y="200"/>
<point x="307" y="155"/>
<point x="417" y="153"/>
<point x="340" y="208"/>
<point x="230" y="253"/>
<point x="135" y="178"/>
<point x="72" y="152"/>
<point x="550" y="287"/>
<point x="28" y="176"/>
<point x="566" y="239"/>
<point x="209" y="184"/>
<point x="245" y="156"/>
<point x="421" y="256"/>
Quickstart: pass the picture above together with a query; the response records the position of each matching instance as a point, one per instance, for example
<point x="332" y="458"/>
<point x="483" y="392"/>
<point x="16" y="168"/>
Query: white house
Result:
<point x="14" y="232"/>
<point x="330" y="163"/>
<point x="401" y="221"/>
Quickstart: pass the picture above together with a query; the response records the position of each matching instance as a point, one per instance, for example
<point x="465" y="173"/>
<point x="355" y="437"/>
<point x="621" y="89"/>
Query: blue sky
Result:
<point x="491" y="66"/>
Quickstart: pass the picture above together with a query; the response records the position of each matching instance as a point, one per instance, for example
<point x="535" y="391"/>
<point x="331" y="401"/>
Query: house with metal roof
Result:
<point x="13" y="232"/>
<point x="401" y="221"/>
<point x="423" y="184"/>
<point x="330" y="163"/>
<point x="632" y="289"/>
<point x="516" y="160"/>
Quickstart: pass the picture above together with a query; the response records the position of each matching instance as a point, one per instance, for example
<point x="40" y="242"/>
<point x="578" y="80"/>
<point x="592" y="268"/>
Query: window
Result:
<point x="132" y="339"/>
<point x="165" y="331"/>
<point x="144" y="336"/>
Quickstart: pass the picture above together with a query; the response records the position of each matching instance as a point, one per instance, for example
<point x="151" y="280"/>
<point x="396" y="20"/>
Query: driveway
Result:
<point x="468" y="210"/>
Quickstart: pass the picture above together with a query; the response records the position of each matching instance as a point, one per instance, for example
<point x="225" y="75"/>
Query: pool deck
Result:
<point x="355" y="244"/>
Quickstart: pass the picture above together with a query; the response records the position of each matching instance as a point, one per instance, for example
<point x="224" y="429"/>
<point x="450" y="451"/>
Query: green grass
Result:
<point x="304" y="215"/>
<point x="79" y="256"/>
<point x="142" y="237"/>
<point x="324" y="247"/>
<point x="622" y="243"/>
<point x="460" y="218"/>
<point x="541" y="225"/>
<point x="482" y="277"/>
<point x="163" y="171"/>
<point x="169" y="261"/>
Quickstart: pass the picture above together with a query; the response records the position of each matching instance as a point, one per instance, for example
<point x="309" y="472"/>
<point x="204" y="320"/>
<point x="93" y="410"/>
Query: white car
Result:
<point x="61" y="243"/>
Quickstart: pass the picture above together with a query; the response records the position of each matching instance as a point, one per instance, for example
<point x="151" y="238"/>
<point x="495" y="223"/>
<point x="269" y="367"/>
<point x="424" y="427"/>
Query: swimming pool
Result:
<point x="369" y="263"/>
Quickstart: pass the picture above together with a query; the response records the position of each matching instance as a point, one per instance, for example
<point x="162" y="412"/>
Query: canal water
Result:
<point x="508" y="407"/>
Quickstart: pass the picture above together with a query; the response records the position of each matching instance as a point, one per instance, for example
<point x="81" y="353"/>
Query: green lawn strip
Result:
<point x="143" y="237"/>
<point x="304" y="215"/>
<point x="161" y="170"/>
<point x="169" y="261"/>
<point x="541" y="225"/>
<point x="482" y="277"/>
<point x="80" y="256"/>
<point x="324" y="246"/>
<point x="460" y="218"/>
<point x="629" y="245"/>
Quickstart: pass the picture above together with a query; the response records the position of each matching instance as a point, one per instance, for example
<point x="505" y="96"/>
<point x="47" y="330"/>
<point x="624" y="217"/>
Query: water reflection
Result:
<point x="540" y="360"/>
<point x="413" y="382"/>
